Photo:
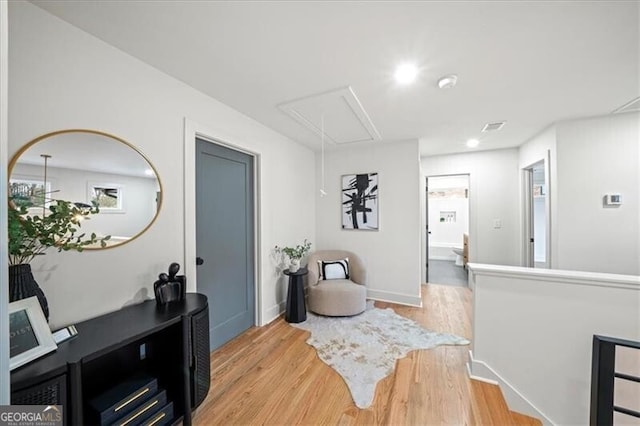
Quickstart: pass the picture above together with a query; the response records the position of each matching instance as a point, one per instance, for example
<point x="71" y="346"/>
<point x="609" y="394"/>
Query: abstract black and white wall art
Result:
<point x="360" y="201"/>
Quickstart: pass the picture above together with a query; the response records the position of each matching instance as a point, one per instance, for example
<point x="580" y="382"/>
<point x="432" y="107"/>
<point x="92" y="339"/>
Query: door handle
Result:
<point x="199" y="261"/>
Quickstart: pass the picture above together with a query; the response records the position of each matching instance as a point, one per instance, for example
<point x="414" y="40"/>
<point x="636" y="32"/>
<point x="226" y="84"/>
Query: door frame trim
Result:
<point x="527" y="218"/>
<point x="193" y="131"/>
<point x="528" y="259"/>
<point x="471" y="232"/>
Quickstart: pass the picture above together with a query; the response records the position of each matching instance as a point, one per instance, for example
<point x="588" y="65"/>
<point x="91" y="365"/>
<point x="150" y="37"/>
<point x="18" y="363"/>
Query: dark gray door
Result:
<point x="224" y="238"/>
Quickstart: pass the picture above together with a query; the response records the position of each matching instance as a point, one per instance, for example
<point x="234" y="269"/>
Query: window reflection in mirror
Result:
<point x="86" y="167"/>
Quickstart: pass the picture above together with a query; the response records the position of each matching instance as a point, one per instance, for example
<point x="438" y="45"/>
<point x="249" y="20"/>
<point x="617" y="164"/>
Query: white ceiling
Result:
<point x="87" y="152"/>
<point x="529" y="63"/>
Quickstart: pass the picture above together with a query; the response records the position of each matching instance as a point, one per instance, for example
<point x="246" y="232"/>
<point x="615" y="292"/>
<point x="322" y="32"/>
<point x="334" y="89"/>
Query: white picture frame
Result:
<point x="109" y="196"/>
<point x="360" y="202"/>
<point x="29" y="334"/>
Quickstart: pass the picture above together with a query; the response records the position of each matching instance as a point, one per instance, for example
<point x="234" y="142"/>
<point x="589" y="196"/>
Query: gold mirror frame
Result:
<point x="16" y="156"/>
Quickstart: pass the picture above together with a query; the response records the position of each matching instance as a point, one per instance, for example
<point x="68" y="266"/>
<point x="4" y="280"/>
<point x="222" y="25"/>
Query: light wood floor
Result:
<point x="269" y="375"/>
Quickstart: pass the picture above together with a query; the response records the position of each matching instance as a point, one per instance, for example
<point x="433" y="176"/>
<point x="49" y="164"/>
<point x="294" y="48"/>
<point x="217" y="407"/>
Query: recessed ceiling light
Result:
<point x="148" y="172"/>
<point x="448" y="81"/>
<point x="406" y="73"/>
<point x="472" y="143"/>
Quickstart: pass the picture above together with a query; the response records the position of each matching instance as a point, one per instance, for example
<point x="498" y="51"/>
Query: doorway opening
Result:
<point x="536" y="190"/>
<point x="447" y="201"/>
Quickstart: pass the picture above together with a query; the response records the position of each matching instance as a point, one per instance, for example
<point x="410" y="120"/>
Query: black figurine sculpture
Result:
<point x="170" y="287"/>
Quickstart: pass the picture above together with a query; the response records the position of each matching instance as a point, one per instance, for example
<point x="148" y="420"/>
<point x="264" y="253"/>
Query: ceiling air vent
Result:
<point x="492" y="127"/>
<point x="633" y="105"/>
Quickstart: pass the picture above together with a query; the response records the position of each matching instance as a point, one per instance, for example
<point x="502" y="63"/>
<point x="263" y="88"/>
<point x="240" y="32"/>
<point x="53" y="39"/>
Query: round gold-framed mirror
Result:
<point x="87" y="168"/>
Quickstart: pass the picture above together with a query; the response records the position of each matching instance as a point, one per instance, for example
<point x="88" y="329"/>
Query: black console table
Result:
<point x="170" y="343"/>
<point x="296" y="308"/>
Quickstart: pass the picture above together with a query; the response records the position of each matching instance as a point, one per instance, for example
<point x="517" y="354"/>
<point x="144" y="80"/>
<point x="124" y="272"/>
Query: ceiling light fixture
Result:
<point x="472" y="143"/>
<point x="149" y="172"/>
<point x="45" y="194"/>
<point x="406" y="73"/>
<point x="448" y="81"/>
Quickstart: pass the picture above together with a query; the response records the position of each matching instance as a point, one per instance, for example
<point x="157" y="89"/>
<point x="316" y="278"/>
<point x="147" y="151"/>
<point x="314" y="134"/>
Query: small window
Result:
<point x="109" y="197"/>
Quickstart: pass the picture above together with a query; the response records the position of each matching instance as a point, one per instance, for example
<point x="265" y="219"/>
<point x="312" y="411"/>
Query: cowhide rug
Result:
<point x="363" y="349"/>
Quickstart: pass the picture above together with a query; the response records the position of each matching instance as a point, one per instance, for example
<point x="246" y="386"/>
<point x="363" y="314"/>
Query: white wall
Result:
<point x="596" y="157"/>
<point x="445" y="182"/>
<point x="450" y="232"/>
<point x="536" y="148"/>
<point x="391" y="254"/>
<point x="63" y="78"/>
<point x="539" y="228"/>
<point x="494" y="194"/>
<point x="4" y="292"/>
<point x="138" y="201"/>
<point x="540" y="215"/>
<point x="533" y="331"/>
<point x="589" y="158"/>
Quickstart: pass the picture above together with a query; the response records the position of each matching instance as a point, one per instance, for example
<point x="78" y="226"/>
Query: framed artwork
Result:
<point x="360" y="201"/>
<point x="109" y="197"/>
<point x="29" y="333"/>
<point x="29" y="192"/>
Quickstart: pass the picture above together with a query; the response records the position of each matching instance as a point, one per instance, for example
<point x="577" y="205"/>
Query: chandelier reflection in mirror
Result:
<point x="89" y="167"/>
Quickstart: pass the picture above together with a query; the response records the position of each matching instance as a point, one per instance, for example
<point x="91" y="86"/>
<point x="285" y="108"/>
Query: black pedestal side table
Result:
<point x="296" y="308"/>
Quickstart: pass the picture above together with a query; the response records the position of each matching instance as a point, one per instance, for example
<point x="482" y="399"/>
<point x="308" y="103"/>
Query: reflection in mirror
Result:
<point x="86" y="167"/>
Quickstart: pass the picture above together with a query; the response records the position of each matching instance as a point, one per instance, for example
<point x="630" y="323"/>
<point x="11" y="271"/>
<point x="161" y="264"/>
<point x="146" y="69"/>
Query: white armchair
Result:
<point x="338" y="297"/>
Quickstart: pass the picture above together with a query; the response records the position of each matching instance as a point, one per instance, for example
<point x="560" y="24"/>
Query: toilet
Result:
<point x="458" y="252"/>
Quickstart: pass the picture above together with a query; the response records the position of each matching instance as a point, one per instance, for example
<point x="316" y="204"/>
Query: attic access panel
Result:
<point x="345" y="120"/>
<point x="631" y="106"/>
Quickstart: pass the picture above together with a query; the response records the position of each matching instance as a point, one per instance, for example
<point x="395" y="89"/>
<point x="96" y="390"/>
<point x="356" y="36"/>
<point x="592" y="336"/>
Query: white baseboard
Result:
<point x="273" y="312"/>
<point x="399" y="298"/>
<point x="478" y="378"/>
<point x="479" y="370"/>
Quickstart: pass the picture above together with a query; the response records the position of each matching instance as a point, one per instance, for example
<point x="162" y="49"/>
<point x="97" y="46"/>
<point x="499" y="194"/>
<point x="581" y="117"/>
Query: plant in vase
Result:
<point x="294" y="254"/>
<point x="31" y="235"/>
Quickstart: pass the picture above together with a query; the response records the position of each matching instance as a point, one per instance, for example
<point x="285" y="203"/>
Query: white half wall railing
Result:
<point x="533" y="331"/>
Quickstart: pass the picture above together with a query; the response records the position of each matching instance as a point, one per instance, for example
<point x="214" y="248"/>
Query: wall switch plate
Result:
<point x="497" y="223"/>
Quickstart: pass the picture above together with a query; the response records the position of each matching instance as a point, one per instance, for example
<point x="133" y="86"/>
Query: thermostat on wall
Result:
<point x="612" y="199"/>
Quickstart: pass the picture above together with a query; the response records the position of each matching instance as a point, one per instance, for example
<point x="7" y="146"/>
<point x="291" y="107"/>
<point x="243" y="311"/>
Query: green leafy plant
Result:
<point x="32" y="235"/>
<point x="296" y="252"/>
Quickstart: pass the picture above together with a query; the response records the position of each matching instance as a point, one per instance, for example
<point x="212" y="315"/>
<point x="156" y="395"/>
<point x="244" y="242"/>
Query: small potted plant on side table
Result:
<point x="294" y="254"/>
